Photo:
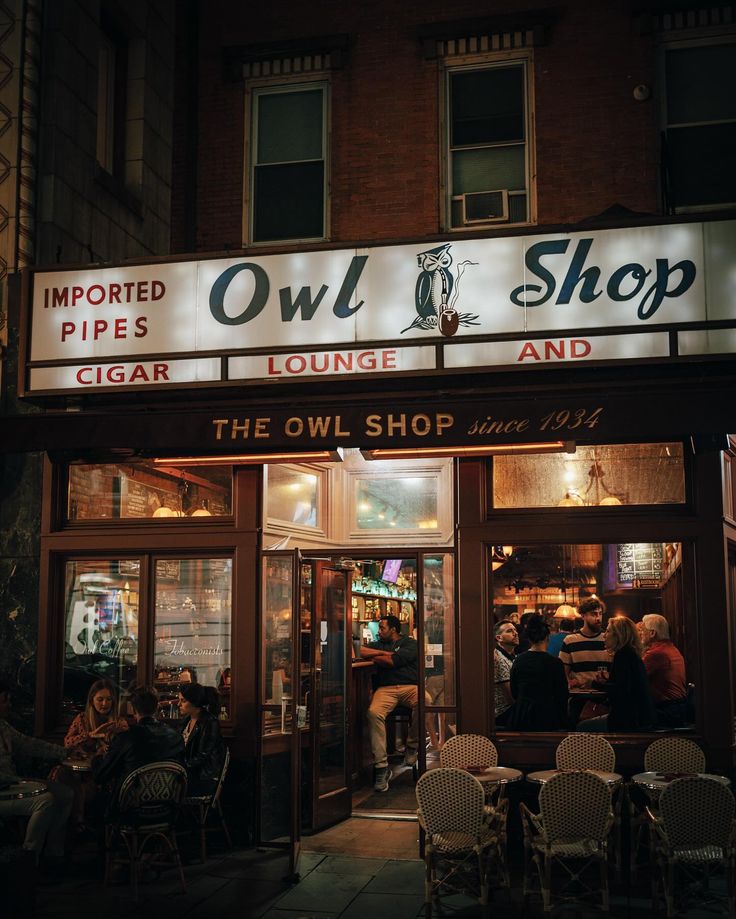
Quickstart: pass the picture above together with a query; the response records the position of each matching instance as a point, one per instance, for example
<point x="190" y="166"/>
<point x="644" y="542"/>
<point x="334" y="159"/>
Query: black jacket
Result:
<point x="631" y="706"/>
<point x="148" y="741"/>
<point x="204" y="754"/>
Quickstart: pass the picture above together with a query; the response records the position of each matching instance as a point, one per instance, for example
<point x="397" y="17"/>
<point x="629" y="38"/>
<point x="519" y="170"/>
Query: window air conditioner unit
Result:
<point x="485" y="207"/>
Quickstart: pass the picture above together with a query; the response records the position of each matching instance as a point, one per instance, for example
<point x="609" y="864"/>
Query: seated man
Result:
<point x="665" y="669"/>
<point x="48" y="813"/>
<point x="148" y="741"/>
<point x="395" y="657"/>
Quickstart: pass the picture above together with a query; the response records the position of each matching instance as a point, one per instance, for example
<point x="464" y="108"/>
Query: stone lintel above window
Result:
<point x="508" y="31"/>
<point x="288" y="58"/>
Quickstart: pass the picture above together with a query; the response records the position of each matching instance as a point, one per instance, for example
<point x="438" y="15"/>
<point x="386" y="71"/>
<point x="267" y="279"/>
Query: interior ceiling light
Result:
<point x="383" y="453"/>
<point x="250" y="459"/>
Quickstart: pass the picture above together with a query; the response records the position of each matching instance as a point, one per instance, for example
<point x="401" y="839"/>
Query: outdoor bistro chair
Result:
<point x="461" y="846"/>
<point x="568" y="837"/>
<point x="693" y="834"/>
<point x="676" y="755"/>
<point x="146" y="809"/>
<point x="585" y="751"/>
<point x="200" y="807"/>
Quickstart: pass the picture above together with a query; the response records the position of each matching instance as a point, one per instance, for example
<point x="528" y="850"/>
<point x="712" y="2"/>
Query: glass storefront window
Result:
<point x="594" y="476"/>
<point x="192" y="628"/>
<point x="632" y="580"/>
<point x="111" y="491"/>
<point x="293" y="496"/>
<point x="439" y="644"/>
<point x="401" y="502"/>
<point x="278" y="592"/>
<point x="100" y="627"/>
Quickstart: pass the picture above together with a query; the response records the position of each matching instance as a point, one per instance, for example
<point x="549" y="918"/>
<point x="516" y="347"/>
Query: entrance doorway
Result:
<point x="317" y="613"/>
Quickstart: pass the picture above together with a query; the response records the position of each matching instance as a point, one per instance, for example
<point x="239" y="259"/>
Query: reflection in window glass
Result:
<point x="293" y="496"/>
<point x="278" y="592"/>
<point x="101" y="626"/>
<point x="597" y="476"/>
<point x="117" y="492"/>
<point x="439" y="644"/>
<point x="400" y="502"/>
<point x="192" y="628"/>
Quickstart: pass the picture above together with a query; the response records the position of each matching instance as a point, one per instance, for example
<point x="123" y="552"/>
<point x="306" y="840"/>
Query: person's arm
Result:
<point x="655" y="662"/>
<point x="38" y="749"/>
<point x="377" y="656"/>
<point x="77" y="733"/>
<point x="104" y="768"/>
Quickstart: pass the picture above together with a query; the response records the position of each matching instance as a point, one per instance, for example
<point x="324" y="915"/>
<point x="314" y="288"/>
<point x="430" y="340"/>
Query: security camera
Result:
<point x="642" y="92"/>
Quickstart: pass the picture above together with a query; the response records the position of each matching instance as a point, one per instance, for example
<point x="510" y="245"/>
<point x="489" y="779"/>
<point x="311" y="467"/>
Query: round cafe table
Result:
<point x="25" y="788"/>
<point x="612" y="779"/>
<point x="78" y="765"/>
<point x="497" y="775"/>
<point x="658" y="781"/>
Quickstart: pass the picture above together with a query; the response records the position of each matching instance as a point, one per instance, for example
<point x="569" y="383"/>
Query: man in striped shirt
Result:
<point x="584" y="653"/>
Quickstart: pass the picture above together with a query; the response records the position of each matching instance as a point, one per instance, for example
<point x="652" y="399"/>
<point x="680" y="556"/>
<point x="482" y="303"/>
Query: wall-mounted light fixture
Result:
<point x="383" y="453"/>
<point x="250" y="459"/>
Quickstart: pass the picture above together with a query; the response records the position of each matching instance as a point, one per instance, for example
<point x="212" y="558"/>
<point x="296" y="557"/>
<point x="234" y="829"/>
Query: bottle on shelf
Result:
<point x="223" y="713"/>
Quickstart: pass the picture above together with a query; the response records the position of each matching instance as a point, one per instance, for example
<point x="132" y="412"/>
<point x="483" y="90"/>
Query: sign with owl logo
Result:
<point x="437" y="293"/>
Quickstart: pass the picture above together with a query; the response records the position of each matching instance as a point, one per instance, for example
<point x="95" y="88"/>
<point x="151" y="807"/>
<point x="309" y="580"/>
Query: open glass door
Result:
<point x="329" y="785"/>
<point x="279" y="822"/>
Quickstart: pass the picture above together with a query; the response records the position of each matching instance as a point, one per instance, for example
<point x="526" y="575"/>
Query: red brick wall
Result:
<point x="595" y="145"/>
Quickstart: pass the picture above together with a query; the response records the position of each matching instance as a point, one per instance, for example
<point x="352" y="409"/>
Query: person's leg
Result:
<point x="409" y="696"/>
<point x="63" y="799"/>
<point x="39" y="811"/>
<point x="384" y="701"/>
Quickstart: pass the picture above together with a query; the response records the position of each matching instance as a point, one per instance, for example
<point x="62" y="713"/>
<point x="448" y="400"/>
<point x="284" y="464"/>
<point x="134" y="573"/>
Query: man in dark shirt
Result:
<point x="395" y="656"/>
<point x="148" y="741"/>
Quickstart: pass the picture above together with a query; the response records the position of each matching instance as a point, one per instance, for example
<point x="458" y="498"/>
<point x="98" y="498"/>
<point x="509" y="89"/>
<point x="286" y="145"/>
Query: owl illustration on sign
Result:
<point x="437" y="291"/>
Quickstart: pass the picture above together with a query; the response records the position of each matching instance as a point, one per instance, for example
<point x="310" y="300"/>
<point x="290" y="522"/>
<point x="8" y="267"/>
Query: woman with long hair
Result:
<point x="538" y="684"/>
<point x="630" y="702"/>
<point x="204" y="748"/>
<point x="92" y="729"/>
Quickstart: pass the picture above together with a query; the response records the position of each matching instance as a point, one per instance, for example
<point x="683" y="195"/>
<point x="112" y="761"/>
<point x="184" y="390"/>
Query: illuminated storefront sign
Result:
<point x="526" y="301"/>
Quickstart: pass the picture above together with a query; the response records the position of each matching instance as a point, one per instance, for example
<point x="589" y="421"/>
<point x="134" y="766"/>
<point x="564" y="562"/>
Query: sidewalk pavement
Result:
<point x="249" y="884"/>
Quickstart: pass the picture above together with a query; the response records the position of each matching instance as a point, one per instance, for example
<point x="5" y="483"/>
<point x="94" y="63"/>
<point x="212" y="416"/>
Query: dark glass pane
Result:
<point x="289" y="201"/>
<point x="487" y="106"/>
<point x="701" y="163"/>
<point x="700" y="84"/>
<point x="290" y="126"/>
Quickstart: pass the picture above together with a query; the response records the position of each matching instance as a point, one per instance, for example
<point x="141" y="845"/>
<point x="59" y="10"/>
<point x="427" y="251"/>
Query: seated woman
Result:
<point x="90" y="733"/>
<point x="630" y="701"/>
<point x="204" y="748"/>
<point x="538" y="685"/>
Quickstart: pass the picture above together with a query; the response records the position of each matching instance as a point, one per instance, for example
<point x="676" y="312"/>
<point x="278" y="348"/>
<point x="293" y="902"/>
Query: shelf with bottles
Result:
<point x="403" y="589"/>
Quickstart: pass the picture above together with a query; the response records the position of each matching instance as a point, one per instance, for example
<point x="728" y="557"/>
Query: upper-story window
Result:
<point x="700" y="126"/>
<point x="289" y="162"/>
<point x="112" y="78"/>
<point x="488" y="174"/>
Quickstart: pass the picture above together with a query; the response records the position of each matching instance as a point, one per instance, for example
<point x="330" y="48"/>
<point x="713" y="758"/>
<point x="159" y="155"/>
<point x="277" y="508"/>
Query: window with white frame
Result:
<point x="488" y="144"/>
<point x="288" y="162"/>
<point x="700" y="126"/>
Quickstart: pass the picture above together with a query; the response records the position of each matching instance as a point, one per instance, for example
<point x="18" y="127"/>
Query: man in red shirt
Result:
<point x="665" y="668"/>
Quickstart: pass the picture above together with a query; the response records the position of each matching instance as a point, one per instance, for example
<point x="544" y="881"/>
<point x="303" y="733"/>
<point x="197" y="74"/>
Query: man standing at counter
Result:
<point x="396" y="683"/>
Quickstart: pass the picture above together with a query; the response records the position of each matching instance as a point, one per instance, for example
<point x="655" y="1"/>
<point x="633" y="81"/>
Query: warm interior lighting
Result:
<point x="565" y="611"/>
<point x="383" y="453"/>
<point x="250" y="459"/>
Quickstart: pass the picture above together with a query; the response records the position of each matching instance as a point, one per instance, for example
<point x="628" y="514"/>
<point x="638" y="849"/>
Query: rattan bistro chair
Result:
<point x="201" y="807"/>
<point x="468" y="749"/>
<point x="461" y="846"/>
<point x="567" y="839"/>
<point x="692" y="836"/>
<point x="585" y="751"/>
<point x="664" y="755"/>
<point x="146" y="809"/>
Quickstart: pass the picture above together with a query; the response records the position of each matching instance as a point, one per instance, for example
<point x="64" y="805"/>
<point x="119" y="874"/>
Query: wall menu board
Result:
<point x="639" y="564"/>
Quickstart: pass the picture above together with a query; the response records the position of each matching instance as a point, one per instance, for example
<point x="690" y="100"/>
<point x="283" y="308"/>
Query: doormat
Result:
<point x="400" y="796"/>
